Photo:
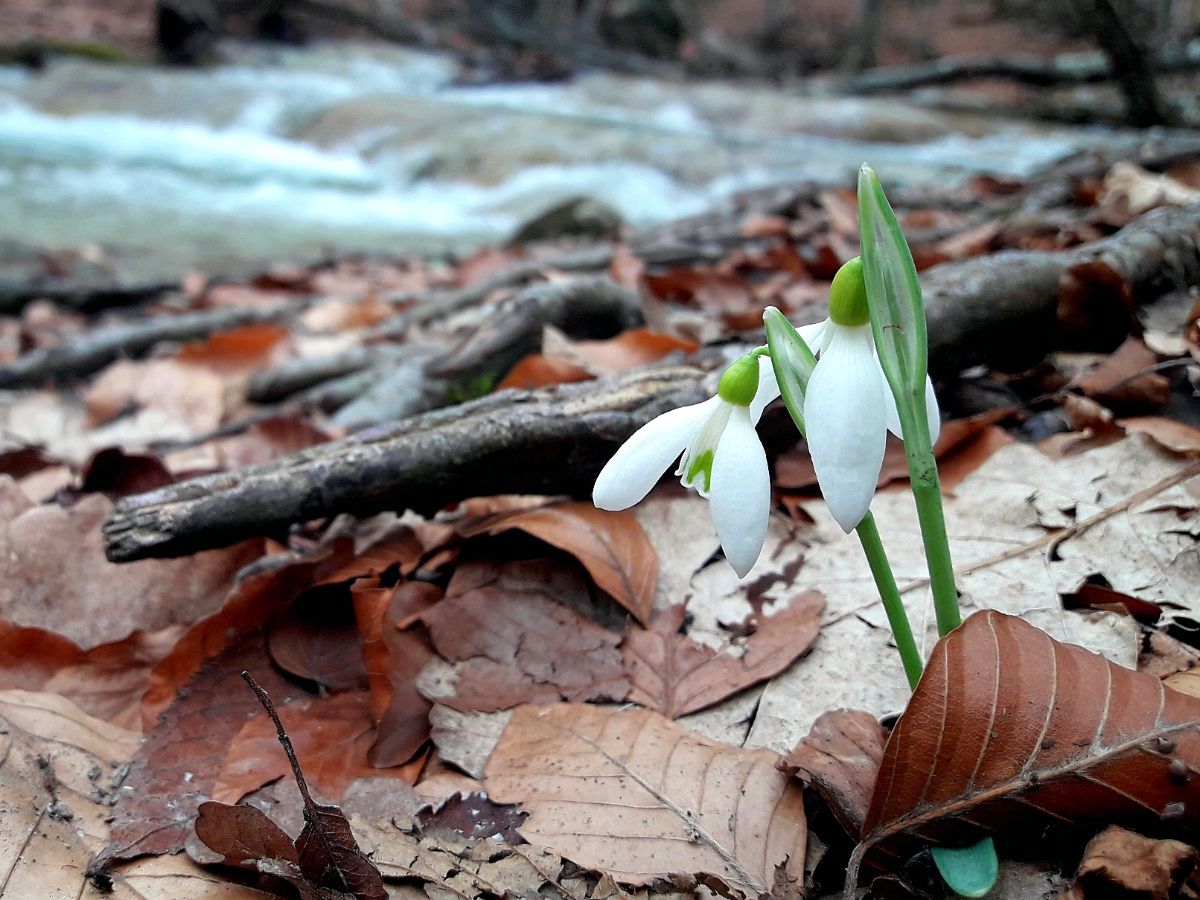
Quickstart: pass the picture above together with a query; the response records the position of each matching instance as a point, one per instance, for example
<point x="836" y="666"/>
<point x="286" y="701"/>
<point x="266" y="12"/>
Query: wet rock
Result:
<point x="582" y="217"/>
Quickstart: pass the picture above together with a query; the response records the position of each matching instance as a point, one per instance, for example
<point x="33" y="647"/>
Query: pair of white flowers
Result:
<point x="848" y="410"/>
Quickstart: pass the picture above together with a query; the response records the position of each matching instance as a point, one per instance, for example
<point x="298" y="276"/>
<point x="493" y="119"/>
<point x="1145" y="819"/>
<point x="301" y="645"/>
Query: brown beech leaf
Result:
<point x="631" y="348"/>
<point x="536" y="371"/>
<point x="513" y="642"/>
<point x="243" y="835"/>
<point x="635" y="795"/>
<point x="53" y="575"/>
<point x="329" y="855"/>
<point x="1014" y="731"/>
<point x="316" y="639"/>
<point x="58" y="768"/>
<point x="330" y="734"/>
<point x="177" y="765"/>
<point x="1121" y="863"/>
<point x="1177" y="437"/>
<point x="676" y="676"/>
<point x="611" y="545"/>
<point x="840" y="759"/>
<point x="1126" y="379"/>
<point x="395" y="648"/>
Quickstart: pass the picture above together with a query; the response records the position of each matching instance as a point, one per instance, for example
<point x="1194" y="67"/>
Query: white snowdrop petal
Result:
<point x="815" y="335"/>
<point x="741" y="493"/>
<point x="932" y="411"/>
<point x="638" y="464"/>
<point x="846" y="416"/>
<point x="768" y="388"/>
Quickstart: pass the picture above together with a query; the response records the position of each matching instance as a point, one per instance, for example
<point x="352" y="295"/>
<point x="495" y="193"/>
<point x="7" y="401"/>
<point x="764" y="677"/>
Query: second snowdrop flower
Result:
<point x="722" y="458"/>
<point x="848" y="404"/>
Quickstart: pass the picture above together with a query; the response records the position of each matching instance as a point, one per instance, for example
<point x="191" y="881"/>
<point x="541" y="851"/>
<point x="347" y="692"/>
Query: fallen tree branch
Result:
<point x="547" y="441"/>
<point x="97" y="349"/>
<point x="1012" y="308"/>
<point x="1063" y="70"/>
<point x="444" y="303"/>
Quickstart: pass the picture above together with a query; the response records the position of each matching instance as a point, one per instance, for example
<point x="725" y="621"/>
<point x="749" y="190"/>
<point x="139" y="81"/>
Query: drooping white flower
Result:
<point x="848" y="404"/>
<point x="722" y="458"/>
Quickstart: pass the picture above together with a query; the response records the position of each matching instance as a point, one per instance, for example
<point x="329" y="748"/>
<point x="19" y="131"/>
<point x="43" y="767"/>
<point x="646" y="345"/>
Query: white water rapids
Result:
<point x="280" y="155"/>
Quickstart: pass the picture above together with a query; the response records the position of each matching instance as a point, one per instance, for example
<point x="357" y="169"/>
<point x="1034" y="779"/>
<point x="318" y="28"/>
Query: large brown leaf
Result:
<point x="677" y="676"/>
<point x="840" y="760"/>
<point x="635" y="795"/>
<point x="1012" y="731"/>
<point x="611" y="545"/>
<point x="511" y="641"/>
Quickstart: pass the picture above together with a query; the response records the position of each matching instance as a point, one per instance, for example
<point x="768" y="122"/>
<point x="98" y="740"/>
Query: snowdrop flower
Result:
<point x="722" y="458"/>
<point x="848" y="405"/>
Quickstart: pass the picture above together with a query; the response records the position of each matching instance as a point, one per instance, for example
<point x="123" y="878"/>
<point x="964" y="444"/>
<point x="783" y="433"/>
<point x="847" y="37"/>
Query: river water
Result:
<point x="281" y="155"/>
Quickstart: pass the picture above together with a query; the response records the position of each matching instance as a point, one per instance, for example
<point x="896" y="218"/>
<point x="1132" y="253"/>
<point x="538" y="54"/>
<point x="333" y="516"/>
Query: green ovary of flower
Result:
<point x="702" y="465"/>
<point x="848" y="295"/>
<point x="739" y="382"/>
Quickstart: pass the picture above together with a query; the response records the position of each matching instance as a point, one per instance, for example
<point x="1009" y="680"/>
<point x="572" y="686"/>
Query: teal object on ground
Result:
<point x="968" y="871"/>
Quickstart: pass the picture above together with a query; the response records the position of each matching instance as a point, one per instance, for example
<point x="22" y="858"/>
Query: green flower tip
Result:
<point x="848" y="295"/>
<point x="739" y="383"/>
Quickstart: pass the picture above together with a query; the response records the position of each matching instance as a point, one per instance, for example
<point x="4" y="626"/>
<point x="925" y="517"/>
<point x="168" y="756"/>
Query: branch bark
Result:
<point x="1029" y="70"/>
<point x="547" y="441"/>
<point x="1010" y="309"/>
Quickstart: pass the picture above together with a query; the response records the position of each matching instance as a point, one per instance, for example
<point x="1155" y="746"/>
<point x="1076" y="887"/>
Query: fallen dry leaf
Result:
<point x="54" y="576"/>
<point x="395" y="648"/>
<point x="611" y="545"/>
<point x="536" y="371"/>
<point x="192" y="397"/>
<point x="1126" y="379"/>
<point x="466" y="739"/>
<point x="1121" y="863"/>
<point x="511" y="641"/>
<point x="1011" y="731"/>
<point x="676" y="676"/>
<point x="107" y="681"/>
<point x="331" y="736"/>
<point x="178" y="763"/>
<point x="1177" y="437"/>
<point x="590" y="776"/>
<point x="840" y="759"/>
<point x="58" y="768"/>
<point x="317" y="639"/>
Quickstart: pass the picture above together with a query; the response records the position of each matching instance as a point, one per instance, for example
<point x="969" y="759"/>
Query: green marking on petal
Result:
<point x="848" y="295"/>
<point x="702" y="465"/>
<point x="739" y="383"/>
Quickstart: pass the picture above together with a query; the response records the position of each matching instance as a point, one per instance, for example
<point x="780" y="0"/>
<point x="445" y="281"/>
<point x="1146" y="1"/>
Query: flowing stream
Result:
<point x="281" y="155"/>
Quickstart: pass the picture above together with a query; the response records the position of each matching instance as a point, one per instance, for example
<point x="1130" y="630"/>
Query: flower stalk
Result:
<point x="793" y="363"/>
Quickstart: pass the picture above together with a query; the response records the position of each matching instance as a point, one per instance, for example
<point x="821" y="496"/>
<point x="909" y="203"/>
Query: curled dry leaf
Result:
<point x="676" y="676"/>
<point x="395" y="648"/>
<point x="512" y="642"/>
<point x="1121" y="863"/>
<point x="611" y="545"/>
<point x="840" y="759"/>
<point x="316" y="639"/>
<point x="106" y="681"/>
<point x="637" y="796"/>
<point x="1012" y="731"/>
<point x="1126" y="379"/>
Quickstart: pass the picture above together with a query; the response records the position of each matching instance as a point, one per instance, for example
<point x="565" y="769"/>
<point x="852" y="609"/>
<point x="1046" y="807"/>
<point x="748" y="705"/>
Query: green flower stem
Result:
<point x="927" y="491"/>
<point x="885" y="583"/>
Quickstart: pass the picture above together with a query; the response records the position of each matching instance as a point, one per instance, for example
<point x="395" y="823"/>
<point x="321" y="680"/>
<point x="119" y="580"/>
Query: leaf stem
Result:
<point x="885" y="583"/>
<point x="927" y="491"/>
